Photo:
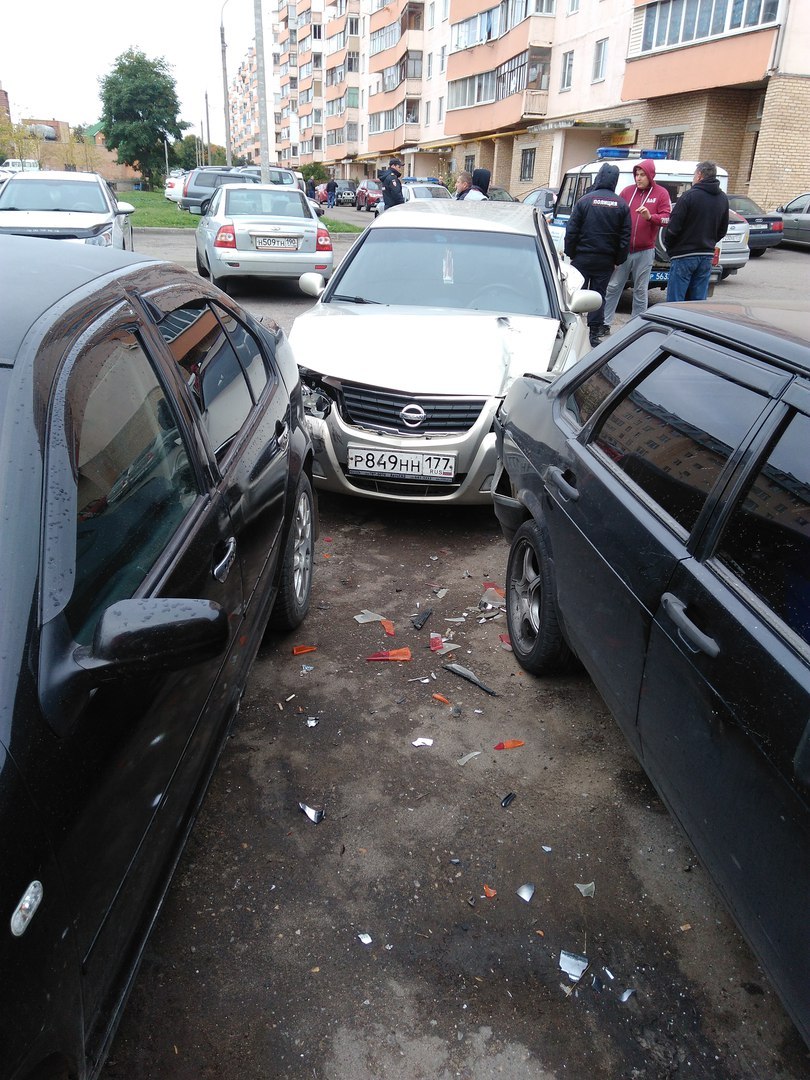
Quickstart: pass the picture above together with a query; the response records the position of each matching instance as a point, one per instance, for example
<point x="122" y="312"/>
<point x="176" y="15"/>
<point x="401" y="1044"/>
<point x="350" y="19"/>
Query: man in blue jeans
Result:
<point x="698" y="222"/>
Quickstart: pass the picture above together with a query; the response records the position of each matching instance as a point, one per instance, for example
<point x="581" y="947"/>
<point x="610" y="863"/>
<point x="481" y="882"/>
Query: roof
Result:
<point x="460" y="214"/>
<point x="36" y="273"/>
<point x="56" y="174"/>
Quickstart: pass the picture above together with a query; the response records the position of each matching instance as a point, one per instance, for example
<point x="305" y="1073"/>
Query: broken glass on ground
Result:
<point x="365" y="938"/>
<point x="314" y="813"/>
<point x="586" y="890"/>
<point x="470" y="676"/>
<point x="368" y="616"/>
<point x="422" y="742"/>
<point x="469" y="757"/>
<point x="526" y="892"/>
<point x="573" y="964"/>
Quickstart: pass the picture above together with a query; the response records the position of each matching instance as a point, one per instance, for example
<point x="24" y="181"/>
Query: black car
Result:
<point x="200" y="185"/>
<point x="764" y="230"/>
<point x="157" y="511"/>
<point x="657" y="499"/>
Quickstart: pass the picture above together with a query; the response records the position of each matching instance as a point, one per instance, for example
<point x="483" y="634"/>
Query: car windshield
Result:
<point x="447" y="268"/>
<point x="427" y="191"/>
<point x="743" y="205"/>
<point x="23" y="193"/>
<point x="267" y="204"/>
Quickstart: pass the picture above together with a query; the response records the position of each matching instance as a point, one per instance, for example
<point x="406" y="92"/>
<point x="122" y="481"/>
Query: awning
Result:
<point x="592" y="125"/>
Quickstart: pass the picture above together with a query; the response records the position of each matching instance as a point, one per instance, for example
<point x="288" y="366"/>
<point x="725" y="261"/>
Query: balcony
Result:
<point x="535" y="103"/>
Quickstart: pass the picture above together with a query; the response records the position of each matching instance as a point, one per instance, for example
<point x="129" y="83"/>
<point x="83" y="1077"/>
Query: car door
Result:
<point x="132" y="509"/>
<point x="724" y="717"/>
<point x="796" y="220"/>
<point x="626" y="494"/>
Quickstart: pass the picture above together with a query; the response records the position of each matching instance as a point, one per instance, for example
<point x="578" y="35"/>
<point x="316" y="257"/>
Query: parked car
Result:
<point x="173" y="188"/>
<point x="200" y="185"/>
<point x="367" y="195"/>
<point x="157" y="511"/>
<point x="411" y="347"/>
<point x="499" y="194"/>
<point x="346" y="193"/>
<point x="72" y="206"/>
<point x="657" y="501"/>
<point x="263" y="231"/>
<point x="734" y="249"/>
<point x="796" y="220"/>
<point x="543" y="198"/>
<point x="276" y="175"/>
<point x="764" y="230"/>
<point x="417" y="189"/>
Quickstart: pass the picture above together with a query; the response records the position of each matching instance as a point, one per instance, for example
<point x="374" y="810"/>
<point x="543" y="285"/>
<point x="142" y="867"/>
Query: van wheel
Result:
<point x="534" y="630"/>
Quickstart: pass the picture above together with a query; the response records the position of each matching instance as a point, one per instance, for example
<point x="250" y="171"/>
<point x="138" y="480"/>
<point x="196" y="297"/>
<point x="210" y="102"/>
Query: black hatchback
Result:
<point x="657" y="500"/>
<point x="157" y="511"/>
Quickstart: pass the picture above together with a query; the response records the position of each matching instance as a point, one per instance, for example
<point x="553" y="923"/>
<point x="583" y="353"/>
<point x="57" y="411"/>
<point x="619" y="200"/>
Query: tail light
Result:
<point x="778" y="226"/>
<point x="185" y="186"/>
<point x="226" y="237"/>
<point x="716" y="256"/>
<point x="324" y="241"/>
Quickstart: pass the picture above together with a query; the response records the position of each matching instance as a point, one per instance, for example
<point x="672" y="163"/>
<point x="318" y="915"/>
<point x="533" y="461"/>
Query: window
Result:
<point x="767" y="540"/>
<point x="586" y="398"/>
<point x="527" y="163"/>
<point x="573" y="7"/>
<point x="427" y="114"/>
<point x="442" y="58"/>
<point x="430" y="65"/>
<point x="431" y="19"/>
<point x="599" y="60"/>
<point x="672" y="144"/>
<point x="440" y="110"/>
<point x="567" y="70"/>
<point x="135" y="482"/>
<point x="354" y="26"/>
<point x="674" y="432"/>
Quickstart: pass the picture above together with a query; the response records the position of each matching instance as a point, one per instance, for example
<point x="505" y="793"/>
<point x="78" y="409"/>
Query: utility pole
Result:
<point x="228" y="154"/>
<point x="264" y="141"/>
<point x="208" y="127"/>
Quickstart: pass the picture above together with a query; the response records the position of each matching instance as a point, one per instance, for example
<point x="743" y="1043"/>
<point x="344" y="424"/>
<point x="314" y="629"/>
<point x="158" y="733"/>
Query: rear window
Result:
<point x="263" y="203"/>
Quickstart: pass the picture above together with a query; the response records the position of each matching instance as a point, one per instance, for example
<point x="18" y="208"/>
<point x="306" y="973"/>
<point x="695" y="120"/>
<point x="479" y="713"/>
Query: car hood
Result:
<point x="419" y="351"/>
<point x="53" y="222"/>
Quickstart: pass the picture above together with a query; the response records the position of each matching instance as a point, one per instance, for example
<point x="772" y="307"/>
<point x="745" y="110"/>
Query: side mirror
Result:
<point x="780" y="209"/>
<point x="312" y="284"/>
<point x="198" y="211"/>
<point x="125" y="208"/>
<point x="585" y="300"/>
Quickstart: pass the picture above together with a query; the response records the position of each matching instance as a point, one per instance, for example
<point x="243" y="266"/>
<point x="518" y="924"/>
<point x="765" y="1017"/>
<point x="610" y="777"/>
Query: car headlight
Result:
<point x="103" y="238"/>
<point x="317" y="399"/>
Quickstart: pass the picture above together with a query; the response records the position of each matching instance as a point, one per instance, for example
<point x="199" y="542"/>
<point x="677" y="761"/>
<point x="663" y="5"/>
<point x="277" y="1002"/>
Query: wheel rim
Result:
<point x="525" y="592"/>
<point x="302" y="548"/>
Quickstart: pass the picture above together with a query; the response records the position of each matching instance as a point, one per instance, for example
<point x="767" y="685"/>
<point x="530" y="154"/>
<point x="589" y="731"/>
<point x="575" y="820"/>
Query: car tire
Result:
<point x="202" y="269"/>
<point x="295" y="580"/>
<point x="531" y="613"/>
<point x="756" y="252"/>
<point x="725" y="274"/>
<point x="224" y="283"/>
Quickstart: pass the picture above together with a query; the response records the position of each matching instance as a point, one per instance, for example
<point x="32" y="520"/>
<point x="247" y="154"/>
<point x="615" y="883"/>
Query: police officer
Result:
<point x="392" y="185"/>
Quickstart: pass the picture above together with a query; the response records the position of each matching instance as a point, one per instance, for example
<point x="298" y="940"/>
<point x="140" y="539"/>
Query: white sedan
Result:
<point x="261" y="231"/>
<point x="73" y="206"/>
<point x="411" y="348"/>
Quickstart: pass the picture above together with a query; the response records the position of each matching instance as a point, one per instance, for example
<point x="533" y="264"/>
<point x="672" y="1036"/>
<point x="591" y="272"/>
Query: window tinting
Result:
<point x="211" y="369"/>
<point x="767" y="540"/>
<point x="586" y="398"/>
<point x="247" y="349"/>
<point x="675" y="431"/>
<point x="134" y="480"/>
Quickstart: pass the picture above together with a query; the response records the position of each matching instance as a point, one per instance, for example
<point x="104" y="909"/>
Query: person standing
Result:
<point x="650" y="208"/>
<point x="331" y="191"/>
<point x="480" y="185"/>
<point x="310" y="188"/>
<point x="392" y="184"/>
<point x="597" y="239"/>
<point x="463" y="185"/>
<point x="698" y="222"/>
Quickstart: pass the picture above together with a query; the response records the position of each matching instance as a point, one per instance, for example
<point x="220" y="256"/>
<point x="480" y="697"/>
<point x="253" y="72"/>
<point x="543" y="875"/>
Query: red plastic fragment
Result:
<point x="442" y="698"/>
<point x="299" y="650"/>
<point x="391" y="654"/>
<point x="388" y="627"/>
<point x="509" y="744"/>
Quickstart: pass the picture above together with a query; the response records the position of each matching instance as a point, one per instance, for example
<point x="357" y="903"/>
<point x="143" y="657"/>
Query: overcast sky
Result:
<point x="53" y="52"/>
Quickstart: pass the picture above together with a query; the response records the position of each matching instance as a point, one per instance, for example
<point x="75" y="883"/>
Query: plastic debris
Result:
<point x="509" y="744"/>
<point x="609" y="973"/>
<point x="597" y="984"/>
<point x="573" y="965"/>
<point x="507" y="800"/>
<point x="436" y="641"/>
<point x="498" y="589"/>
<point x="368" y="616"/>
<point x="391" y="654"/>
<point x="586" y="890"/>
<point x="627" y="995"/>
<point x="365" y="938"/>
<point x="460" y="619"/>
<point x="314" y="813"/>
<point x="299" y="650"/>
<point x="422" y="742"/>
<point x="441" y="698"/>
<point x="468" y="757"/>
<point x="418" y="621"/>
<point x="505" y="642"/>
<point x="388" y="627"/>
<point x="312" y="721"/>
<point x="421" y="678"/>
<point x="526" y="892"/>
<point x="491" y="598"/>
<point x="470" y="676"/>
<point x="546" y="848"/>
<point x="306" y="668"/>
<point x="455" y="862"/>
<point x="685" y="926"/>
<point x="441" y="593"/>
<point x="490" y="892"/>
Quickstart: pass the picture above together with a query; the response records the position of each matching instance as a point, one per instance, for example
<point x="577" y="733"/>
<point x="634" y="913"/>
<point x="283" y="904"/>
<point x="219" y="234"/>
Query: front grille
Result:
<point x="414" y="489"/>
<point x="370" y="407"/>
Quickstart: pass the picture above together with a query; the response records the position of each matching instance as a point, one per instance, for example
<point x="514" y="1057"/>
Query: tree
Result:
<point x="139" y="111"/>
<point x="315" y="172"/>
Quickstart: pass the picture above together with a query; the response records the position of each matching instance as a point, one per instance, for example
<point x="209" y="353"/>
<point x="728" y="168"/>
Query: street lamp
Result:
<point x="228" y="156"/>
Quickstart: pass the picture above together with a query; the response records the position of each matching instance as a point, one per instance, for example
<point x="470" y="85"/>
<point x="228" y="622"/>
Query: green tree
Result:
<point x="140" y="111"/>
<point x="316" y="172"/>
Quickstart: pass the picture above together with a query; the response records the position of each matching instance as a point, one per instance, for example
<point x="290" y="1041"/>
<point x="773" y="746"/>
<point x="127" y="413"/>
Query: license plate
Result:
<point x="758" y="228"/>
<point x="289" y="243"/>
<point x="401" y="465"/>
<point x="659" y="275"/>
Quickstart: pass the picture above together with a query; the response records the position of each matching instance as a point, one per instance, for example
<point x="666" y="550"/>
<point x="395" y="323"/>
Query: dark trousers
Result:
<point x="597" y="277"/>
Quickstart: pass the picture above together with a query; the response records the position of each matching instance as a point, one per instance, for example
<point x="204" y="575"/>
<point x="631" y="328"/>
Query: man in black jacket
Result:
<point x="698" y="222"/>
<point x="597" y="239"/>
<point x="391" y="184"/>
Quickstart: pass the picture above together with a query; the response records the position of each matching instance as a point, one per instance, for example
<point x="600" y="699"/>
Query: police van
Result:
<point x="673" y="174"/>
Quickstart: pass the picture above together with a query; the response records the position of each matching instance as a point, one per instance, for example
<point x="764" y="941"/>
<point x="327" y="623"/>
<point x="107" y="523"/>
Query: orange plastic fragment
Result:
<point x="442" y="698"/>
<point x="509" y="744"/>
<point x="391" y="654"/>
<point x="299" y="650"/>
<point x="490" y="892"/>
<point x="436" y="641"/>
<point x="388" y="627"/>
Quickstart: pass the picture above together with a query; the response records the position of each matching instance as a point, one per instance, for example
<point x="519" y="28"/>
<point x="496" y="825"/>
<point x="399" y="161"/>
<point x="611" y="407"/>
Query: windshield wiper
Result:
<point x="353" y="299"/>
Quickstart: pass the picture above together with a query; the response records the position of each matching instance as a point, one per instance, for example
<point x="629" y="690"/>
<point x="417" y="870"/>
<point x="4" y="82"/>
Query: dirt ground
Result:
<point x="256" y="968"/>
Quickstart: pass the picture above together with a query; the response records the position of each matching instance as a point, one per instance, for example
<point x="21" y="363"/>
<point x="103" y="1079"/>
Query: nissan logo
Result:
<point x="412" y="415"/>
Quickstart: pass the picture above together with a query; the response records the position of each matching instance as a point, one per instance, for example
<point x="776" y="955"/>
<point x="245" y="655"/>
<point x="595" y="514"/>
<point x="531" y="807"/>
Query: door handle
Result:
<point x="558" y="480"/>
<point x="223" y="568"/>
<point x="282" y="435"/>
<point x="676" y="609"/>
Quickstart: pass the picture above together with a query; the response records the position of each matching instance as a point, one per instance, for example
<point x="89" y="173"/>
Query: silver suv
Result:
<point x="200" y="185"/>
